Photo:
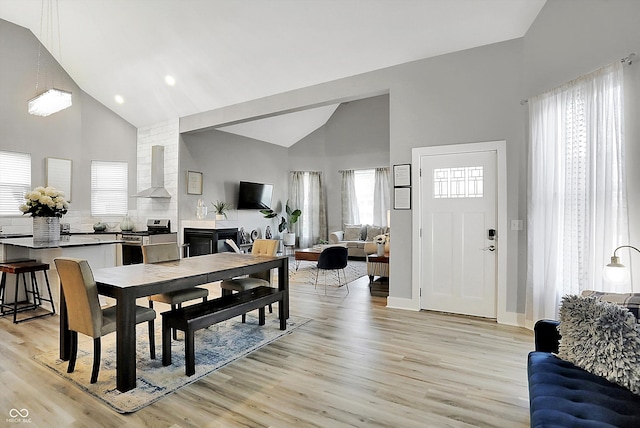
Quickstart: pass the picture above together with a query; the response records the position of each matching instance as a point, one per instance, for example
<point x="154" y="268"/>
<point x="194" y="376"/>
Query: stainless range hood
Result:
<point x="157" y="189"/>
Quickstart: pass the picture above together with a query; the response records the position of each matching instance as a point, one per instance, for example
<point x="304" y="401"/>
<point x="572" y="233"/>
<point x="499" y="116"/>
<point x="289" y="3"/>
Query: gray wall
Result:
<point x="475" y="95"/>
<point x="86" y="131"/>
<point x="356" y="136"/>
<point x="555" y="52"/>
<point x="225" y="160"/>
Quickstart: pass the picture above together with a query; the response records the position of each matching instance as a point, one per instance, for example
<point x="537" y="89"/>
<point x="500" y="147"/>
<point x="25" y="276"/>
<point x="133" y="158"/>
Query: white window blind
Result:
<point x="109" y="188"/>
<point x="15" y="181"/>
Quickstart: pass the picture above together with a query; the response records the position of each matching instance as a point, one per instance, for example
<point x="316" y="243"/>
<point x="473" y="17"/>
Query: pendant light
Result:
<point x="51" y="100"/>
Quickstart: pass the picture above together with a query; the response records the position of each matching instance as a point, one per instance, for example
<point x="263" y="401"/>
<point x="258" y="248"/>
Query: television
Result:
<point x="254" y="196"/>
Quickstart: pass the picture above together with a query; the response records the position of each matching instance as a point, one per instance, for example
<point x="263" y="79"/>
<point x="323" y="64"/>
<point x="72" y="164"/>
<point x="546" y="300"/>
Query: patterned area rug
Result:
<point x="215" y="347"/>
<point x="307" y="271"/>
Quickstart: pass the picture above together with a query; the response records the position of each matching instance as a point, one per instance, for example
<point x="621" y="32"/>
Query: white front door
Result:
<point x="458" y="222"/>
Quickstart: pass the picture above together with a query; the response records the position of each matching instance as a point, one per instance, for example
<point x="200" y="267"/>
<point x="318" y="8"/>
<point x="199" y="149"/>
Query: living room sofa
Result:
<point x="354" y="237"/>
<point x="561" y="394"/>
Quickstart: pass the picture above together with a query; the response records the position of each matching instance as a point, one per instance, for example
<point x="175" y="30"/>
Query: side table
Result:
<point x="378" y="266"/>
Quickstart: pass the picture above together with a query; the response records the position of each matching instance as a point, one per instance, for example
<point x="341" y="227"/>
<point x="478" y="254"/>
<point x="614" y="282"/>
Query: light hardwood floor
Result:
<point x="356" y="364"/>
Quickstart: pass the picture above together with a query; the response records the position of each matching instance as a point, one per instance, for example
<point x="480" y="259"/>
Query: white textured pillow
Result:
<point x="602" y="338"/>
<point x="352" y="233"/>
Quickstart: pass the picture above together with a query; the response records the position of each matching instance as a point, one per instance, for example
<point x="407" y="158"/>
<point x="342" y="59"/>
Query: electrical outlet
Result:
<point x="517" y="224"/>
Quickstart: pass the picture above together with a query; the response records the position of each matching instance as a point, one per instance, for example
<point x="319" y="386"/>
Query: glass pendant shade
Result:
<point x="49" y="102"/>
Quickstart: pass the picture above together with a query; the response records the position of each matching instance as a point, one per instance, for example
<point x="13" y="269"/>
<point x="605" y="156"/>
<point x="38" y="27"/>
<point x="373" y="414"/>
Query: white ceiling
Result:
<point x="224" y="52"/>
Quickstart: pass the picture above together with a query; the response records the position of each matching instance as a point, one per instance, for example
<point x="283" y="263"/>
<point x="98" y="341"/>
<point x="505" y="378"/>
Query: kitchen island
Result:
<point x="100" y="250"/>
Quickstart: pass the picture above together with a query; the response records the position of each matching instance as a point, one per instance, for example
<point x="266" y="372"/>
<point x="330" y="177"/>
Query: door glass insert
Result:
<point x="461" y="182"/>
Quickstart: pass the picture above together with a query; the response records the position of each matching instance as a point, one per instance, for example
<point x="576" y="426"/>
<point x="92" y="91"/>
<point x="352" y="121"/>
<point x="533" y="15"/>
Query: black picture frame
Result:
<point x="402" y="175"/>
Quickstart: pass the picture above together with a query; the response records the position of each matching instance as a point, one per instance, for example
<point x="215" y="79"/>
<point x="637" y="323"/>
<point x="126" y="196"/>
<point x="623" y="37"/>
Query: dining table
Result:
<point x="127" y="283"/>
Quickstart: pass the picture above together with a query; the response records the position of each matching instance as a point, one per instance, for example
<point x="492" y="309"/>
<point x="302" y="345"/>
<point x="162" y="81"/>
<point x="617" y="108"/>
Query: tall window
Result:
<point x="365" y="183"/>
<point x="577" y="189"/>
<point x="109" y="188"/>
<point x="15" y="181"/>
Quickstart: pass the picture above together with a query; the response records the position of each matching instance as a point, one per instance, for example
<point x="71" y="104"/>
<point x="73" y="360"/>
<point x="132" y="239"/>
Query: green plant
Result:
<point x="221" y="207"/>
<point x="291" y="219"/>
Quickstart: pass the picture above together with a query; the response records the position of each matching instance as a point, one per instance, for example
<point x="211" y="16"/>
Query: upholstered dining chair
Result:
<point x="85" y="315"/>
<point x="260" y="247"/>
<point x="164" y="252"/>
<point x="333" y="258"/>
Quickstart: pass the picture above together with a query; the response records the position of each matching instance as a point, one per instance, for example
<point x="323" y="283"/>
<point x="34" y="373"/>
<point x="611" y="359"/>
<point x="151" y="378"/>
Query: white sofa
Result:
<point x="355" y="236"/>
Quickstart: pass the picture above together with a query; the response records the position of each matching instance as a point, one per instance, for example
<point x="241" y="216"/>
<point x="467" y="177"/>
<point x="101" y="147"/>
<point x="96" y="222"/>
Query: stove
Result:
<point x="158" y="231"/>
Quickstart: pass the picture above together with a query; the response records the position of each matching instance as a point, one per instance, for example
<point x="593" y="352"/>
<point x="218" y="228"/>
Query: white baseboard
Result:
<point x="401" y="303"/>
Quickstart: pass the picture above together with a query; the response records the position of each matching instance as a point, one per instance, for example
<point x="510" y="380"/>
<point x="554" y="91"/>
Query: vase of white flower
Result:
<point x="46" y="206"/>
<point x="380" y="241"/>
<point x="46" y="229"/>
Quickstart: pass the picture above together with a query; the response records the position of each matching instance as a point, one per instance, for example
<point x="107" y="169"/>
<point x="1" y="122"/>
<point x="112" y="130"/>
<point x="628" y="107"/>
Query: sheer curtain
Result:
<point x="307" y="194"/>
<point x="381" y="196"/>
<point x="350" y="214"/>
<point x="577" y="211"/>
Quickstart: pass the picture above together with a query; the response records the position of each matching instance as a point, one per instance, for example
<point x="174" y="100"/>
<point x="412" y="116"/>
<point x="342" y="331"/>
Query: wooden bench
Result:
<point x="201" y="315"/>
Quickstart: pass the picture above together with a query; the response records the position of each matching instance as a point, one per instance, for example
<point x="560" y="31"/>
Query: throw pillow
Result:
<point x="373" y="231"/>
<point x="602" y="338"/>
<point x="352" y="233"/>
<point x="630" y="301"/>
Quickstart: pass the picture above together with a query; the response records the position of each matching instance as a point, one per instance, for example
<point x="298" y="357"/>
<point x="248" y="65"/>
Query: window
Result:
<point x="365" y="185"/>
<point x="15" y="181"/>
<point x="465" y="182"/>
<point x="109" y="188"/>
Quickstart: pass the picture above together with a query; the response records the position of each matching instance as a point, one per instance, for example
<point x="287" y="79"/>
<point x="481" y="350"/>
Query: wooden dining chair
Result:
<point x="85" y="315"/>
<point x="264" y="247"/>
<point x="164" y="252"/>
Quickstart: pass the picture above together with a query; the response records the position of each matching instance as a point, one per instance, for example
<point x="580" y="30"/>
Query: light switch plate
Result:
<point x="517" y="224"/>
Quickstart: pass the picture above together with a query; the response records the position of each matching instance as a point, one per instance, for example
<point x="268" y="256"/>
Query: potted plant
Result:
<point x="221" y="209"/>
<point x="292" y="216"/>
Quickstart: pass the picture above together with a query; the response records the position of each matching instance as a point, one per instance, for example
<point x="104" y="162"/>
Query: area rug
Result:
<point x="307" y="271"/>
<point x="215" y="347"/>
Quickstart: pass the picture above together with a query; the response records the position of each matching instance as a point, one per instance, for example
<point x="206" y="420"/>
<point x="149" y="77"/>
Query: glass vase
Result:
<point x="46" y="229"/>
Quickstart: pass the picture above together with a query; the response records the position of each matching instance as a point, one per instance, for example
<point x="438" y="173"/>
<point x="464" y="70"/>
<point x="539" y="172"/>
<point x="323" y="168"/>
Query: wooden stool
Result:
<point x="19" y="269"/>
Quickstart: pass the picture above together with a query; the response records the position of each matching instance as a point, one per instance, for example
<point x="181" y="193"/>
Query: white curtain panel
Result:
<point x="577" y="211"/>
<point x="307" y="193"/>
<point x="381" y="198"/>
<point x="350" y="213"/>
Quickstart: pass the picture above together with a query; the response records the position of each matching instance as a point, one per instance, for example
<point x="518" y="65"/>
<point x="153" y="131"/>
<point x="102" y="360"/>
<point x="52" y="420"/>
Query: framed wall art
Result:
<point x="402" y="198"/>
<point x="194" y="183"/>
<point x="402" y="175"/>
<point x="58" y="173"/>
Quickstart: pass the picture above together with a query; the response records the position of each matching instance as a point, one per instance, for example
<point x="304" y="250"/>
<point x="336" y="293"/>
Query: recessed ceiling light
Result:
<point x="119" y="99"/>
<point x="170" y="80"/>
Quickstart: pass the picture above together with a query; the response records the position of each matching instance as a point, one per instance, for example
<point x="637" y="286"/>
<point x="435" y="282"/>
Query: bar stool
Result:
<point x="20" y="269"/>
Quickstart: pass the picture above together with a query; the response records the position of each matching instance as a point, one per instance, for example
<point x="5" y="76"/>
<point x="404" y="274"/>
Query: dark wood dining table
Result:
<point x="127" y="283"/>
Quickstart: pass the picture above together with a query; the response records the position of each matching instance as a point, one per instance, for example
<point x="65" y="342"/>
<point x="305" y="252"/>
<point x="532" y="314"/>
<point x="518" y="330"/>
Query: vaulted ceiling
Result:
<point x="224" y="52"/>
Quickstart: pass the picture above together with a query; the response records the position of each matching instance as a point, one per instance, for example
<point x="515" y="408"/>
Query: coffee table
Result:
<point x="308" y="254"/>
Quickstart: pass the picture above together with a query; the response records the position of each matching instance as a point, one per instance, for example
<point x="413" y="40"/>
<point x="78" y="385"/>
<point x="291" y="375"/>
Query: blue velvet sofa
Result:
<point x="564" y="395"/>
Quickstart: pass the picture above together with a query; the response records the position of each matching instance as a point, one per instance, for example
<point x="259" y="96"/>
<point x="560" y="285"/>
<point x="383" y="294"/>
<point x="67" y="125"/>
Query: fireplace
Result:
<point x="208" y="241"/>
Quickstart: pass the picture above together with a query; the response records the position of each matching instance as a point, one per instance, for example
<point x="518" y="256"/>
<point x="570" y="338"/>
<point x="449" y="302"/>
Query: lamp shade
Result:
<point x="49" y="102"/>
<point x="615" y="272"/>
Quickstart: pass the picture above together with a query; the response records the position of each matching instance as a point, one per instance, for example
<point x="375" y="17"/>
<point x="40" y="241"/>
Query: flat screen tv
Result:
<point x="254" y="196"/>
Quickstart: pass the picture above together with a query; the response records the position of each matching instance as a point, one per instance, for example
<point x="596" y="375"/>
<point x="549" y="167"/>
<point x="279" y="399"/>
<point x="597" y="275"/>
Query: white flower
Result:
<point x="45" y="202"/>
